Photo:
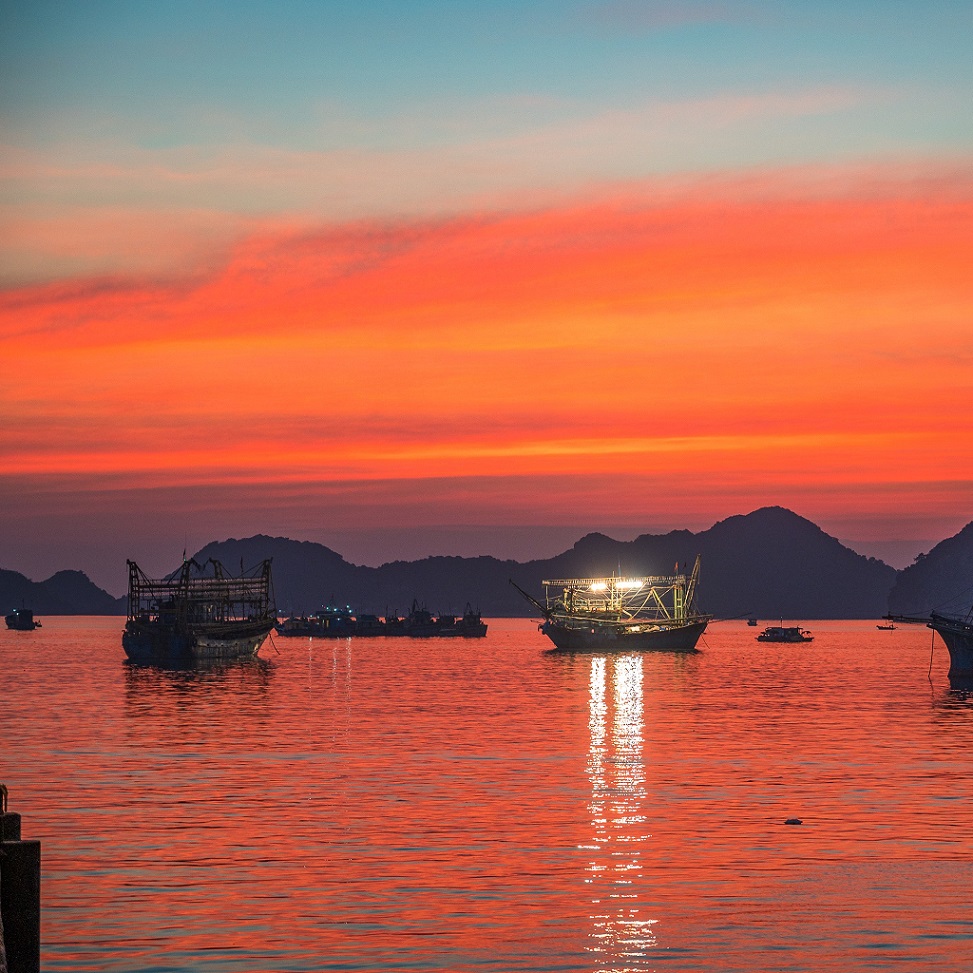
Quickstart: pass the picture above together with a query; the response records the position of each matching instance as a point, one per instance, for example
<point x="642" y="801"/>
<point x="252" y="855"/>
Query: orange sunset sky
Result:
<point x="508" y="274"/>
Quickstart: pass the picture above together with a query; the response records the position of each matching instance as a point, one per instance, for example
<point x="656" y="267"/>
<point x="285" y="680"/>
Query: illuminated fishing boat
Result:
<point x="654" y="612"/>
<point x="199" y="613"/>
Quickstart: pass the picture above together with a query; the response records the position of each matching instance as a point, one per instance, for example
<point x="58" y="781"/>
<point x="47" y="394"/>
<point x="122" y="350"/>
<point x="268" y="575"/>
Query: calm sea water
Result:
<point x="483" y="805"/>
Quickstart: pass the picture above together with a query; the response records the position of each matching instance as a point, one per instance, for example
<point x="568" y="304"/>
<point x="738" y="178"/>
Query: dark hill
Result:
<point x="771" y="562"/>
<point x="941" y="579"/>
<point x="64" y="593"/>
<point x="776" y="564"/>
<point x="305" y="574"/>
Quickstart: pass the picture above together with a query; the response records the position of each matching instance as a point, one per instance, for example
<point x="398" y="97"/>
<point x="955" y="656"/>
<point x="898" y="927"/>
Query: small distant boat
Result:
<point x="22" y="620"/>
<point x="469" y="626"/>
<point x="421" y="624"/>
<point x="886" y="628"/>
<point x="781" y="633"/>
<point x="752" y="622"/>
<point x="198" y="613"/>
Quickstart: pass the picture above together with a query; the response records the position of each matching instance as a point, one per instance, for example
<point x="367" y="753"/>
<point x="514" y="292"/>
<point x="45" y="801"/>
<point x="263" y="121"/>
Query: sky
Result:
<point x="413" y="277"/>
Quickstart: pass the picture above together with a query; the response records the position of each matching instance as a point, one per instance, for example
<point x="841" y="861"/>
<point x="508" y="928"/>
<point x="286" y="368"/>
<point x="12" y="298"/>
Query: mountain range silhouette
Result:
<point x="770" y="563"/>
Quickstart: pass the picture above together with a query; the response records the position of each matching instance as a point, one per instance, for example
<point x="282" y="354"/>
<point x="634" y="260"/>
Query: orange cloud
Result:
<point x="759" y="340"/>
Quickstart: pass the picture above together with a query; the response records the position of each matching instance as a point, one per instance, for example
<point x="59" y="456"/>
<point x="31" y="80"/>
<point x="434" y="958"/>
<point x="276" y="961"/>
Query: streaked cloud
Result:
<point x="750" y="333"/>
<point x="113" y="205"/>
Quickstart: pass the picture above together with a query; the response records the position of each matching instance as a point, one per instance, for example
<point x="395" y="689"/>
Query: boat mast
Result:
<point x="691" y="587"/>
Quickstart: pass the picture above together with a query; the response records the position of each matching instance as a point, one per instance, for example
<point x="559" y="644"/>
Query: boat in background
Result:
<point x="886" y="628"/>
<point x="654" y="612"/>
<point x="752" y="622"/>
<point x="197" y="614"/>
<point x="781" y="633"/>
<point x="334" y="622"/>
<point x="22" y="620"/>
<point x="471" y="625"/>
<point x="331" y="622"/>
<point x="467" y="626"/>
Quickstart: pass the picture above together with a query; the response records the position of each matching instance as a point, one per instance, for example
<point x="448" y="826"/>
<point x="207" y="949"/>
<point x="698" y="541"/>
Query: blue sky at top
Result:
<point x="209" y="115"/>
<point x="171" y="73"/>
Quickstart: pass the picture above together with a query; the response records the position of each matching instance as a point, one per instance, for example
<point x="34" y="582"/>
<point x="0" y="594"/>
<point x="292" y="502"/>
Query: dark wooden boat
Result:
<point x="197" y="614"/>
<point x="781" y="633"/>
<point x="420" y="623"/>
<point x="331" y="622"/>
<point x="22" y="620"/>
<point x="468" y="626"/>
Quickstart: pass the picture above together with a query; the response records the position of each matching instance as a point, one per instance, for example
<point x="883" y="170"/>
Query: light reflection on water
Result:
<point x="622" y="937"/>
<point x="448" y="805"/>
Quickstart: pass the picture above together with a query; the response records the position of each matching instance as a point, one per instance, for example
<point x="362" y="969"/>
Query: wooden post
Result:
<point x="20" y="896"/>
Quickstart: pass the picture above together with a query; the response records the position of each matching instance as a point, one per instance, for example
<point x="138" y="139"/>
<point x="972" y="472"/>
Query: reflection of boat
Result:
<point x="22" y="620"/>
<point x="197" y="614"/>
<point x="622" y="614"/>
<point x="956" y="631"/>
<point x="780" y="633"/>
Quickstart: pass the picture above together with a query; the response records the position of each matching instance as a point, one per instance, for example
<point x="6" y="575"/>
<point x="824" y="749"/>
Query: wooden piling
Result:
<point x="20" y="896"/>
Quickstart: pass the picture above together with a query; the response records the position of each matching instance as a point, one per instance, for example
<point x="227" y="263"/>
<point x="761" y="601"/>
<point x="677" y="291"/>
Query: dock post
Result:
<point x="20" y="896"/>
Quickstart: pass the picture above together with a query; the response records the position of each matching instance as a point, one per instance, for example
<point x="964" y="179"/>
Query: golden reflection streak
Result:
<point x="621" y="940"/>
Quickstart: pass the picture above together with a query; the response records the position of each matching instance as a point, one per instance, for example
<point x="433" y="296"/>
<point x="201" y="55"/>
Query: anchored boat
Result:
<point x="781" y="633"/>
<point x="956" y="631"/>
<point x="331" y="622"/>
<point x="199" y="613"/>
<point x="334" y="622"/>
<point x="22" y="620"/>
<point x="621" y="614"/>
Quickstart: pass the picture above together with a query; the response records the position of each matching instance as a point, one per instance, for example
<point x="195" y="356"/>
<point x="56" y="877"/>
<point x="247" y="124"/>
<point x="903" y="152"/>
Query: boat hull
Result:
<point x="778" y="633"/>
<point x="158" y="644"/>
<point x="22" y="620"/>
<point x="957" y="635"/>
<point x="618" y="638"/>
